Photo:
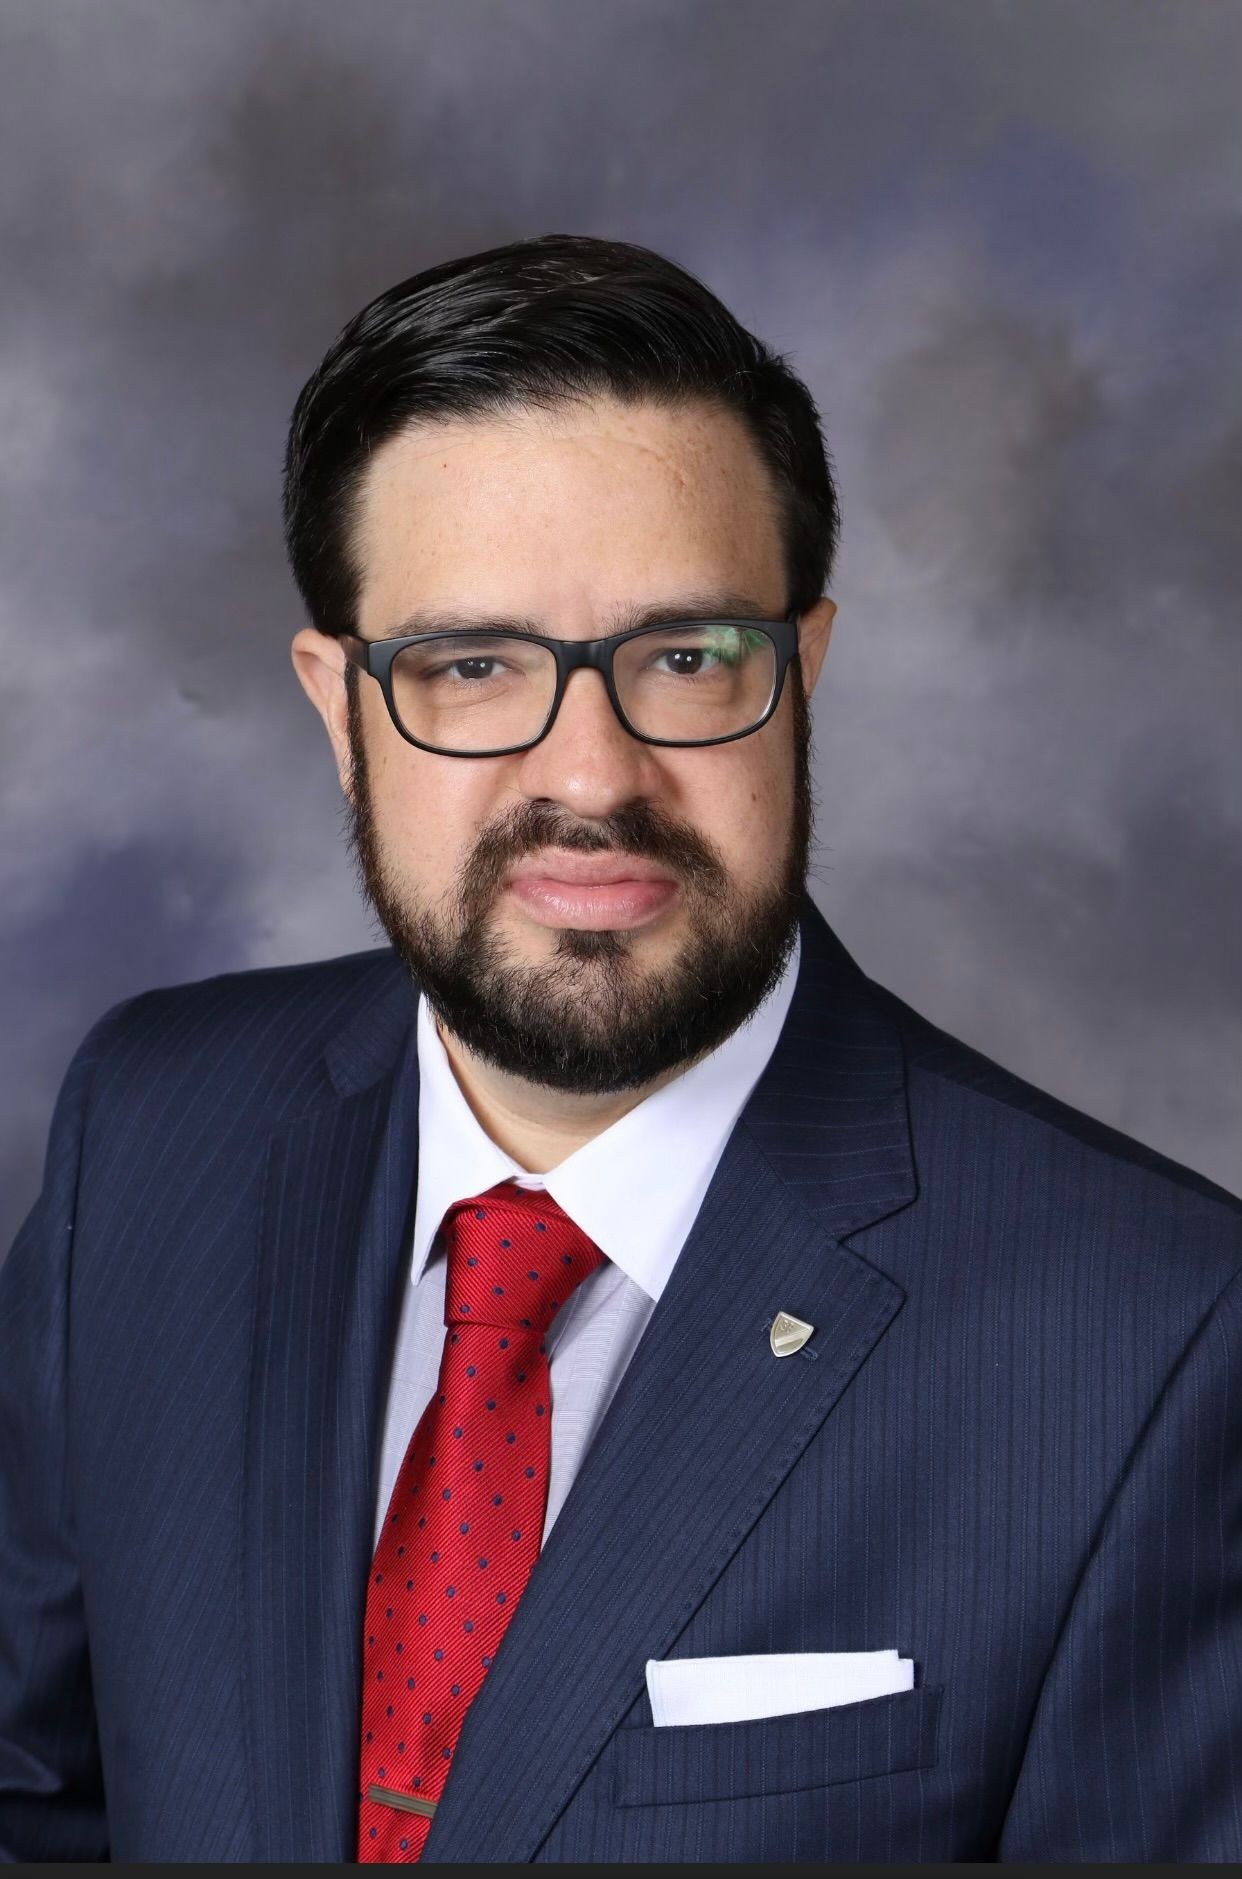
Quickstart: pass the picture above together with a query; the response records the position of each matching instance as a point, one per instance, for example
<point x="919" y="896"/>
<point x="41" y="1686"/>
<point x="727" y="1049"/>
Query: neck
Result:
<point x="538" y="1127"/>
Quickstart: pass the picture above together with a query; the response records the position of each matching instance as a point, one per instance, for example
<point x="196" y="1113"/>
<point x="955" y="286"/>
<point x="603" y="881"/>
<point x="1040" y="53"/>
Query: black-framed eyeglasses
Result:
<point x="491" y="692"/>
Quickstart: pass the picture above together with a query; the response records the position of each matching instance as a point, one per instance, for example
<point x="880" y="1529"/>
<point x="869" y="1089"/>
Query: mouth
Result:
<point x="575" y="870"/>
<point x="592" y="893"/>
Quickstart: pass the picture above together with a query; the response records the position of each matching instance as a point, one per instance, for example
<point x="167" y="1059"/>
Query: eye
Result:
<point x="460" y="665"/>
<point x="684" y="658"/>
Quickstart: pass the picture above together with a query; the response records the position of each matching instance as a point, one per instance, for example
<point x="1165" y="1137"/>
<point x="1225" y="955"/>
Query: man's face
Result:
<point x="570" y="520"/>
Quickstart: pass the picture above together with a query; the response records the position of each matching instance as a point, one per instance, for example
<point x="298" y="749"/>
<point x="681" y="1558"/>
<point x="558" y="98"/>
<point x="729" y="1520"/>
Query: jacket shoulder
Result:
<point x="262" y="1033"/>
<point x="1102" y="1188"/>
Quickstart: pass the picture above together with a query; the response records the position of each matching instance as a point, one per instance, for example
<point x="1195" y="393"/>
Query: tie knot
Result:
<point x="514" y="1257"/>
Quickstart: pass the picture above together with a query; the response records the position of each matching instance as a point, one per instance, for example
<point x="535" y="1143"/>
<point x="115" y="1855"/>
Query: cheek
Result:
<point x="427" y="820"/>
<point x="745" y="809"/>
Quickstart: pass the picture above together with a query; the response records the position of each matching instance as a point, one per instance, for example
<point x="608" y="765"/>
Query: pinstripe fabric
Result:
<point x="1013" y="1451"/>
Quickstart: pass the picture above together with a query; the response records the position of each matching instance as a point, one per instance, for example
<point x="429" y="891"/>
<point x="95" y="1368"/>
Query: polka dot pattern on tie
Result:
<point x="463" y="1527"/>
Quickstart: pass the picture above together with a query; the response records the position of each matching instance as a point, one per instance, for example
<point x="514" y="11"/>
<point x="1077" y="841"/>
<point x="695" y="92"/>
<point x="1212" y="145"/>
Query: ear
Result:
<point x="319" y="661"/>
<point x="814" y="631"/>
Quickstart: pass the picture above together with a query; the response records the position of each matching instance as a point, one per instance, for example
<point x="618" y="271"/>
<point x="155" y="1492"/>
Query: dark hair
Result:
<point x="540" y="323"/>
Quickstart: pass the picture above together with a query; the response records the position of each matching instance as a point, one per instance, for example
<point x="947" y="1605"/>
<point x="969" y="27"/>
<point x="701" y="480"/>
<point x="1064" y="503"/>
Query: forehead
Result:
<point x="565" y="513"/>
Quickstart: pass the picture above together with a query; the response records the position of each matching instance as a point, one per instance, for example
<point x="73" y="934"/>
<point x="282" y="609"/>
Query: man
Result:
<point x="599" y="1379"/>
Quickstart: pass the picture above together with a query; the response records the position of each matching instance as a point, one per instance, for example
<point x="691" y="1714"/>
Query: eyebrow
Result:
<point x="695" y="606"/>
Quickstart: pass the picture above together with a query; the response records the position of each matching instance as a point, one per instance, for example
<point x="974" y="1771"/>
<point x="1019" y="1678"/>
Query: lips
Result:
<point x="593" y="906"/>
<point x="589" y="870"/>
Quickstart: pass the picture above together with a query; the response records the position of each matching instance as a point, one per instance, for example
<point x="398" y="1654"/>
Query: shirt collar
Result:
<point x="636" y="1188"/>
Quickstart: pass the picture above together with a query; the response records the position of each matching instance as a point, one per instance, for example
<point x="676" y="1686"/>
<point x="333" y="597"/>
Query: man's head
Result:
<point x="569" y="432"/>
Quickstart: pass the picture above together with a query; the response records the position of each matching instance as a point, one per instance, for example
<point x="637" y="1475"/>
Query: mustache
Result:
<point x="635" y="832"/>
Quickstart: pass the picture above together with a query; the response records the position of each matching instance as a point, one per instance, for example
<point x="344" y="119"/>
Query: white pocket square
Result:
<point x="742" y="1689"/>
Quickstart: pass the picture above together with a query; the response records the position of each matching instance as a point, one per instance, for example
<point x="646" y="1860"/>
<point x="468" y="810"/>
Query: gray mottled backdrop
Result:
<point x="1000" y="241"/>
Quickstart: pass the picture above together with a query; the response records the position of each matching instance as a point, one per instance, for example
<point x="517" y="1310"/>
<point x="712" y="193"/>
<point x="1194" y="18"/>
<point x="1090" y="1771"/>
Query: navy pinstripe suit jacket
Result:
<point x="1012" y="1450"/>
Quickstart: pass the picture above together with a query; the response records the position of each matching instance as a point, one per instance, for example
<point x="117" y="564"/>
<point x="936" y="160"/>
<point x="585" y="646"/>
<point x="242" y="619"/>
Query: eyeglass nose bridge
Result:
<point x="571" y="655"/>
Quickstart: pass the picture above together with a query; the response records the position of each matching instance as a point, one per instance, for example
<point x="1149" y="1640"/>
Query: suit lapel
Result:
<point x="339" y="1186"/>
<point x="707" y="1423"/>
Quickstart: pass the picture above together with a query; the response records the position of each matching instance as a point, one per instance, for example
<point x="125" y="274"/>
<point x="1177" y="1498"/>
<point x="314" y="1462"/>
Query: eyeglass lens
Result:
<point x="475" y="692"/>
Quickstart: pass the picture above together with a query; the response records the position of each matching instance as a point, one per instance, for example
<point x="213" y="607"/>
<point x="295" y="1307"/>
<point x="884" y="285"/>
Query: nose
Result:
<point x="588" y="760"/>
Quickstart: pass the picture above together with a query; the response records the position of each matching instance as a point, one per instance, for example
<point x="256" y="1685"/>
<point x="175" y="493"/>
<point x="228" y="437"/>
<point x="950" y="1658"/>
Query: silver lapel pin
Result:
<point x="789" y="1334"/>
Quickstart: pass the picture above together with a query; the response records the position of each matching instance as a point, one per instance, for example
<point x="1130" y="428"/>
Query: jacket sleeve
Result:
<point x="1135" y="1752"/>
<point x="51" y="1788"/>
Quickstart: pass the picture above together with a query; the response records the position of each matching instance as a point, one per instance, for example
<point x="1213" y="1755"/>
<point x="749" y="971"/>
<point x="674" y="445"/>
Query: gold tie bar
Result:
<point x="392" y="1797"/>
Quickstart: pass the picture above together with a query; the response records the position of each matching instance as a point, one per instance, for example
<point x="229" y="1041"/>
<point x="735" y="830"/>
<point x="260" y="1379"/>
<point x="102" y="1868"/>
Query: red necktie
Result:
<point x="465" y="1522"/>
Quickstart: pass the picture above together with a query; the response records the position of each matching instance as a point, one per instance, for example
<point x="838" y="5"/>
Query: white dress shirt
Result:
<point x="635" y="1189"/>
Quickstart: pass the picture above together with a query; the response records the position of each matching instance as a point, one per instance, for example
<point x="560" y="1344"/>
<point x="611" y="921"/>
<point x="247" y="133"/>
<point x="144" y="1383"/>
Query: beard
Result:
<point x="590" y="1020"/>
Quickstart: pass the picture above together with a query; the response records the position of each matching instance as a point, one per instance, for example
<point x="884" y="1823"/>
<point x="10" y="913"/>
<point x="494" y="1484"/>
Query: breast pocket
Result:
<point x="725" y="1761"/>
